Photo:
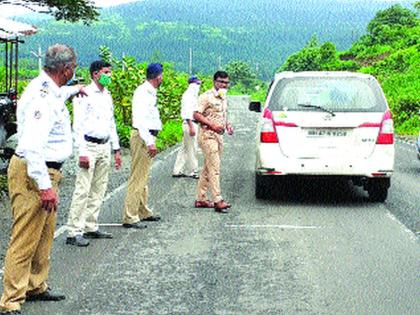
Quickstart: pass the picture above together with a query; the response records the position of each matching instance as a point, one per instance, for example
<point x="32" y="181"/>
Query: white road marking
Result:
<point x="405" y="229"/>
<point x="63" y="228"/>
<point x="60" y="231"/>
<point x="279" y="226"/>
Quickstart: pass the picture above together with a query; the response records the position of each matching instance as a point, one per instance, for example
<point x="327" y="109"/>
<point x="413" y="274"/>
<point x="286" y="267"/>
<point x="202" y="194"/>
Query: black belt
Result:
<point x="96" y="140"/>
<point x="55" y="165"/>
<point x="50" y="164"/>
<point x="153" y="132"/>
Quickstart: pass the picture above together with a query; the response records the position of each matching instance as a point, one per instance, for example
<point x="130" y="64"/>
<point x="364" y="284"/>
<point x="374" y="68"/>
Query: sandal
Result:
<point x="221" y="205"/>
<point x="203" y="204"/>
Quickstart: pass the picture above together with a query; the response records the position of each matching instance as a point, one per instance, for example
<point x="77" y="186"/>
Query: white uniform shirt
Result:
<point x="94" y="117"/>
<point x="189" y="101"/>
<point x="44" y="132"/>
<point x="145" y="113"/>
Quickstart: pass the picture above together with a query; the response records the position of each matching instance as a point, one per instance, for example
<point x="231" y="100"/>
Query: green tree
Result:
<point x="69" y="10"/>
<point x="395" y="15"/>
<point x="328" y="52"/>
<point x="241" y="73"/>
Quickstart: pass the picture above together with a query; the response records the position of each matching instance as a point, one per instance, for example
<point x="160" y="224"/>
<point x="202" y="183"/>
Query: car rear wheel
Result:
<point x="378" y="189"/>
<point x="262" y="187"/>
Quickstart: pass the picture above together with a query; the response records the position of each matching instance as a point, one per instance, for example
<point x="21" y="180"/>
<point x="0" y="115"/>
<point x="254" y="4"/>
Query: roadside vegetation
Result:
<point x="390" y="50"/>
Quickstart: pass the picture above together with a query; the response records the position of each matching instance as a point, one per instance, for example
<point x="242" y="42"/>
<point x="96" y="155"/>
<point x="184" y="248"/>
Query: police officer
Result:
<point x="212" y="115"/>
<point x="186" y="164"/>
<point x="44" y="143"/>
<point x="146" y="125"/>
<point x="95" y="136"/>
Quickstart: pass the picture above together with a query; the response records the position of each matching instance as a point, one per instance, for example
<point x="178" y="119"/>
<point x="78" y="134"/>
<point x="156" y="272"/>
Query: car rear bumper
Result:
<point x="379" y="164"/>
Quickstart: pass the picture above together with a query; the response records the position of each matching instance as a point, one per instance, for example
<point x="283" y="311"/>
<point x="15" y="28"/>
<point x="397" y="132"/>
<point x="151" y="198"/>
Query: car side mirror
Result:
<point x="255" y="107"/>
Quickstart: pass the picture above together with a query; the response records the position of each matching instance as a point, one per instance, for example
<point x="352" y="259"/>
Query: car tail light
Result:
<point x="386" y="131"/>
<point x="268" y="133"/>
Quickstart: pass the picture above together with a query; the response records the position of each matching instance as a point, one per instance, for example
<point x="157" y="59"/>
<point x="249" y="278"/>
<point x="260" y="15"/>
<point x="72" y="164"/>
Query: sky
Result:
<point x="13" y="10"/>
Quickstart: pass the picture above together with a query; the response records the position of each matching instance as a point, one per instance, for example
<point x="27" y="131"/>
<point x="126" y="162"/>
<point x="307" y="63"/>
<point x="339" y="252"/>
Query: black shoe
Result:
<point x="152" y="218"/>
<point x="137" y="225"/>
<point x="47" y="295"/>
<point x="97" y="234"/>
<point x="10" y="312"/>
<point x="178" y="175"/>
<point x="193" y="176"/>
<point x="77" y="240"/>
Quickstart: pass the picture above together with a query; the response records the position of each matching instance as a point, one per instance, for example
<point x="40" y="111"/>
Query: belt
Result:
<point x="50" y="164"/>
<point x="55" y="165"/>
<point x="96" y="140"/>
<point x="153" y="132"/>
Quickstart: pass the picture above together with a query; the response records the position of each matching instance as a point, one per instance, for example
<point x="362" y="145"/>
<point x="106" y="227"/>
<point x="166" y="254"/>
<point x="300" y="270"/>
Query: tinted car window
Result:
<point x="337" y="94"/>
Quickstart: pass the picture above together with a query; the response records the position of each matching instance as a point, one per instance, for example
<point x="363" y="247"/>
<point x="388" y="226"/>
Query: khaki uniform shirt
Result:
<point x="213" y="106"/>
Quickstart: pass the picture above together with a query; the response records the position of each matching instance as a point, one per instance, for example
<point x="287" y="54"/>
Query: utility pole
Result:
<point x="38" y="55"/>
<point x="190" y="65"/>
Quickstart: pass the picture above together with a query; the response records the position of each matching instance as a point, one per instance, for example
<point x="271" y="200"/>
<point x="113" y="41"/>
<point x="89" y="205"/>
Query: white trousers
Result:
<point x="90" y="189"/>
<point x="186" y="161"/>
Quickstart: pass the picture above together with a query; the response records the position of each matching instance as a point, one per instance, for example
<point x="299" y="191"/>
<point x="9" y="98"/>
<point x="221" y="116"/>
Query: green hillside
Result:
<point x="262" y="33"/>
<point x="390" y="50"/>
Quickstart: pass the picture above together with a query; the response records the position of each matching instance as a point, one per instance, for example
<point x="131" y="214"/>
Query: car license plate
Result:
<point x="326" y="133"/>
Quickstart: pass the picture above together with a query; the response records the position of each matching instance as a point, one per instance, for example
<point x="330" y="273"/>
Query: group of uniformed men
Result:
<point x="45" y="141"/>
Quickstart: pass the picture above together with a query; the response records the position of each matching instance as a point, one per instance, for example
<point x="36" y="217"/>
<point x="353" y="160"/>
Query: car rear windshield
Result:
<point x="344" y="94"/>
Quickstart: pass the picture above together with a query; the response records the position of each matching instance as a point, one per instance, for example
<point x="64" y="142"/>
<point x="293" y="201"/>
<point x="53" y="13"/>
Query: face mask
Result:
<point x="222" y="92"/>
<point x="104" y="79"/>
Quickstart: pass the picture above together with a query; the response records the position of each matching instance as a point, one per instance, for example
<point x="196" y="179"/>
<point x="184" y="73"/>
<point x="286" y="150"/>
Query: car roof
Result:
<point x="320" y="74"/>
<point x="10" y="29"/>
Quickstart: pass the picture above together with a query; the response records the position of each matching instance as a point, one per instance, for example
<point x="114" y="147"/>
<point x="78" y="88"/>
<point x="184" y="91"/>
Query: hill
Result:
<point x="262" y="33"/>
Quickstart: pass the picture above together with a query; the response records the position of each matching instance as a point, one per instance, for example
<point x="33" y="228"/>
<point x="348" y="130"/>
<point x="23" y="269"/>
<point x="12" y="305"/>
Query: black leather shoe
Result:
<point x="179" y="175"/>
<point x="137" y="225"/>
<point x="47" y="295"/>
<point x="97" y="234"/>
<point x="77" y="240"/>
<point x="10" y="312"/>
<point x="152" y="218"/>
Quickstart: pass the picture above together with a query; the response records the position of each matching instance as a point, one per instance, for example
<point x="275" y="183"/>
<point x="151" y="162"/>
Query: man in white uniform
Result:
<point x="95" y="136"/>
<point x="44" y="143"/>
<point x="186" y="164"/>
<point x="146" y="125"/>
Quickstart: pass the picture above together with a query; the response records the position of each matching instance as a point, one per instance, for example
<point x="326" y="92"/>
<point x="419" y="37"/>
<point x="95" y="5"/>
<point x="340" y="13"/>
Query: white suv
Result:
<point x="325" y="124"/>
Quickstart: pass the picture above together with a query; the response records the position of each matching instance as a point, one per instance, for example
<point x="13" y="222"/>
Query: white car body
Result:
<point x="352" y="136"/>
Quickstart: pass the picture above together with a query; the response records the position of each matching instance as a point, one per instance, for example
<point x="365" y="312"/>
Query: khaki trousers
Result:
<point x="90" y="190"/>
<point x="28" y="256"/>
<point x="186" y="160"/>
<point x="135" y="207"/>
<point x="211" y="144"/>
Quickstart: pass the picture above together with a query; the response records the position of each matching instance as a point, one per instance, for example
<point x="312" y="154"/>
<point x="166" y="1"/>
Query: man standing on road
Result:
<point x="186" y="164"/>
<point x="212" y="115"/>
<point x="44" y="143"/>
<point x="146" y="125"/>
<point x="95" y="135"/>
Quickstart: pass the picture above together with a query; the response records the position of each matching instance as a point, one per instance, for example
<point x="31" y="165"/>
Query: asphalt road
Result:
<point x="318" y="247"/>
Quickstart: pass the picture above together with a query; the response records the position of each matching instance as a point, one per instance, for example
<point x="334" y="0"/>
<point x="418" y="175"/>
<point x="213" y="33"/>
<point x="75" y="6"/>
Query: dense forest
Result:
<point x="262" y="33"/>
